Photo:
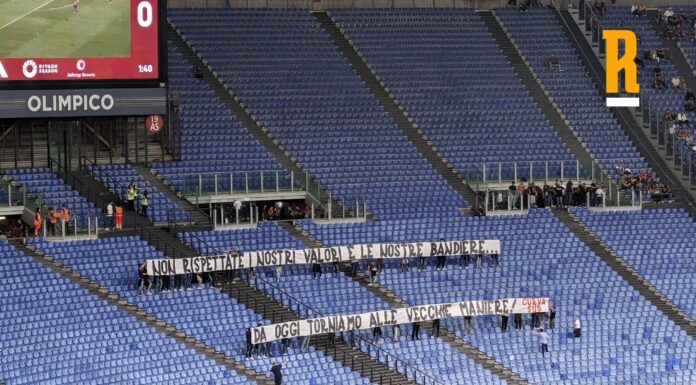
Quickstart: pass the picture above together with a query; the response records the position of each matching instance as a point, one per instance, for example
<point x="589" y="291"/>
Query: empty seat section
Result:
<point x="54" y="332"/>
<point x="654" y="243"/>
<point x="539" y="36"/>
<point x="51" y="191"/>
<point x="288" y="72"/>
<point x="447" y="71"/>
<point x="213" y="141"/>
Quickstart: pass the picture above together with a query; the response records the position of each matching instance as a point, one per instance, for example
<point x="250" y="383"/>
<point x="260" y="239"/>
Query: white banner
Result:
<point x="423" y="313"/>
<point x="208" y="264"/>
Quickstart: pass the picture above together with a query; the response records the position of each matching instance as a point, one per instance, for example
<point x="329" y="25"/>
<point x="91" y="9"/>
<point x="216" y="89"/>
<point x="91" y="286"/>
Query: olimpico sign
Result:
<point x="84" y="102"/>
<point x="94" y="102"/>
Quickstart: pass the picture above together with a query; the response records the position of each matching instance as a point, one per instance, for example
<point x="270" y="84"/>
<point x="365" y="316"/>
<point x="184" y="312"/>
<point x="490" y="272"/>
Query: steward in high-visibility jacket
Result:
<point x="132" y="194"/>
<point x="144" y="202"/>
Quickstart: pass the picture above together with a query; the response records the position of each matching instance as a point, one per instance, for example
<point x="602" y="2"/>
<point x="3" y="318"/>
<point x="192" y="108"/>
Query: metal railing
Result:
<point x="364" y="344"/>
<point x="508" y="201"/>
<point x="243" y="182"/>
<point x="592" y="23"/>
<point x="78" y="226"/>
<point x="159" y="242"/>
<point x="83" y="189"/>
<point x="679" y="152"/>
<point x="531" y="171"/>
<point x="15" y="195"/>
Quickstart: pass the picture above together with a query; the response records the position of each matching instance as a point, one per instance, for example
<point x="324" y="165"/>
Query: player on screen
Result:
<point x="75" y="7"/>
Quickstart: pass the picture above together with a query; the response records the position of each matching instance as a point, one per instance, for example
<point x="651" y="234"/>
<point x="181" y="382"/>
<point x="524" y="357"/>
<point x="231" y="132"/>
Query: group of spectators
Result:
<point x="673" y="24"/>
<point x="559" y="195"/>
<point x="643" y="183"/>
<point x="13" y="228"/>
<point x="170" y="284"/>
<point x="638" y="9"/>
<point x="285" y="210"/>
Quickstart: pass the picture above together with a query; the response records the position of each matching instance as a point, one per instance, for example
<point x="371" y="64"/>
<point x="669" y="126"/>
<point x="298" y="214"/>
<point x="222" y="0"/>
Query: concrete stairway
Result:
<point x="141" y="315"/>
<point x="627" y="272"/>
<point x="397" y="113"/>
<point x="536" y="89"/>
<point x="198" y="217"/>
<point x="631" y="123"/>
<point x="389" y="297"/>
<point x="251" y="122"/>
<point x="354" y="359"/>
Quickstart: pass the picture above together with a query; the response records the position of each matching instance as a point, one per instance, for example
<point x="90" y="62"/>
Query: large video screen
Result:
<point x="78" y="40"/>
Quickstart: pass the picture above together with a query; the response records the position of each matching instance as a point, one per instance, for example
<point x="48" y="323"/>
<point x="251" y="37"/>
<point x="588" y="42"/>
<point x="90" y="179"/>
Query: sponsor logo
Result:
<point x="80" y="65"/>
<point x="3" y="73"/>
<point x="44" y="103"/>
<point x="615" y="64"/>
<point x="30" y="69"/>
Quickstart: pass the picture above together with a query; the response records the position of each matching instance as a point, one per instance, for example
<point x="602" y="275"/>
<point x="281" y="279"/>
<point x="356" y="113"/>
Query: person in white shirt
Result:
<point x="576" y="327"/>
<point x="110" y="213"/>
<point x="668" y="13"/>
<point x="543" y="341"/>
<point x="599" y="193"/>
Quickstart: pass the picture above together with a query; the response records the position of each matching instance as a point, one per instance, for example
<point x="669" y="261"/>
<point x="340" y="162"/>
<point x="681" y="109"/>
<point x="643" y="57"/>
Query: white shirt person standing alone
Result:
<point x="576" y="327"/>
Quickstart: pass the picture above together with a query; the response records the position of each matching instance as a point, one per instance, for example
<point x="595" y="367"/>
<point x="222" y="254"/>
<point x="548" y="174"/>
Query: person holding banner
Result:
<point x="372" y="271"/>
<point x="415" y="331"/>
<point x="468" y="325"/>
<point x="422" y="261"/>
<point x="436" y="328"/>
<point x="316" y="270"/>
<point x="503" y="323"/>
<point x="249" y="346"/>
<point x="518" y="321"/>
<point x="305" y="344"/>
<point x="396" y="333"/>
<point x="376" y="335"/>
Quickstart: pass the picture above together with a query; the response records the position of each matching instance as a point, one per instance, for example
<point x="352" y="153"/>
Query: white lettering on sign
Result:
<point x="43" y="103"/>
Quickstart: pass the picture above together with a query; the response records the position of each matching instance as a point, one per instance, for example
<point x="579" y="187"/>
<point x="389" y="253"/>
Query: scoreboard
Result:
<point x="60" y="56"/>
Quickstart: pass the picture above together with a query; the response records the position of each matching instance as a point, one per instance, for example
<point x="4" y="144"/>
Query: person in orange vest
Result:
<point x="52" y="220"/>
<point x="65" y="215"/>
<point x="38" y="220"/>
<point x="57" y="215"/>
<point x="119" y="216"/>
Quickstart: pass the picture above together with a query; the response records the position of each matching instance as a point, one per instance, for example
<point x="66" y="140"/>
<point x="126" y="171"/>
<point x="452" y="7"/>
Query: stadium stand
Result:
<point x="539" y="36"/>
<point x="540" y="257"/>
<point x="469" y="103"/>
<point x="51" y="191"/>
<point x="688" y="44"/>
<point x="651" y="241"/>
<point x="314" y="96"/>
<point x="341" y="295"/>
<point x="4" y="196"/>
<point x="117" y="177"/>
<point x="56" y="333"/>
<point x="204" y="312"/>
<point x="212" y="140"/>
